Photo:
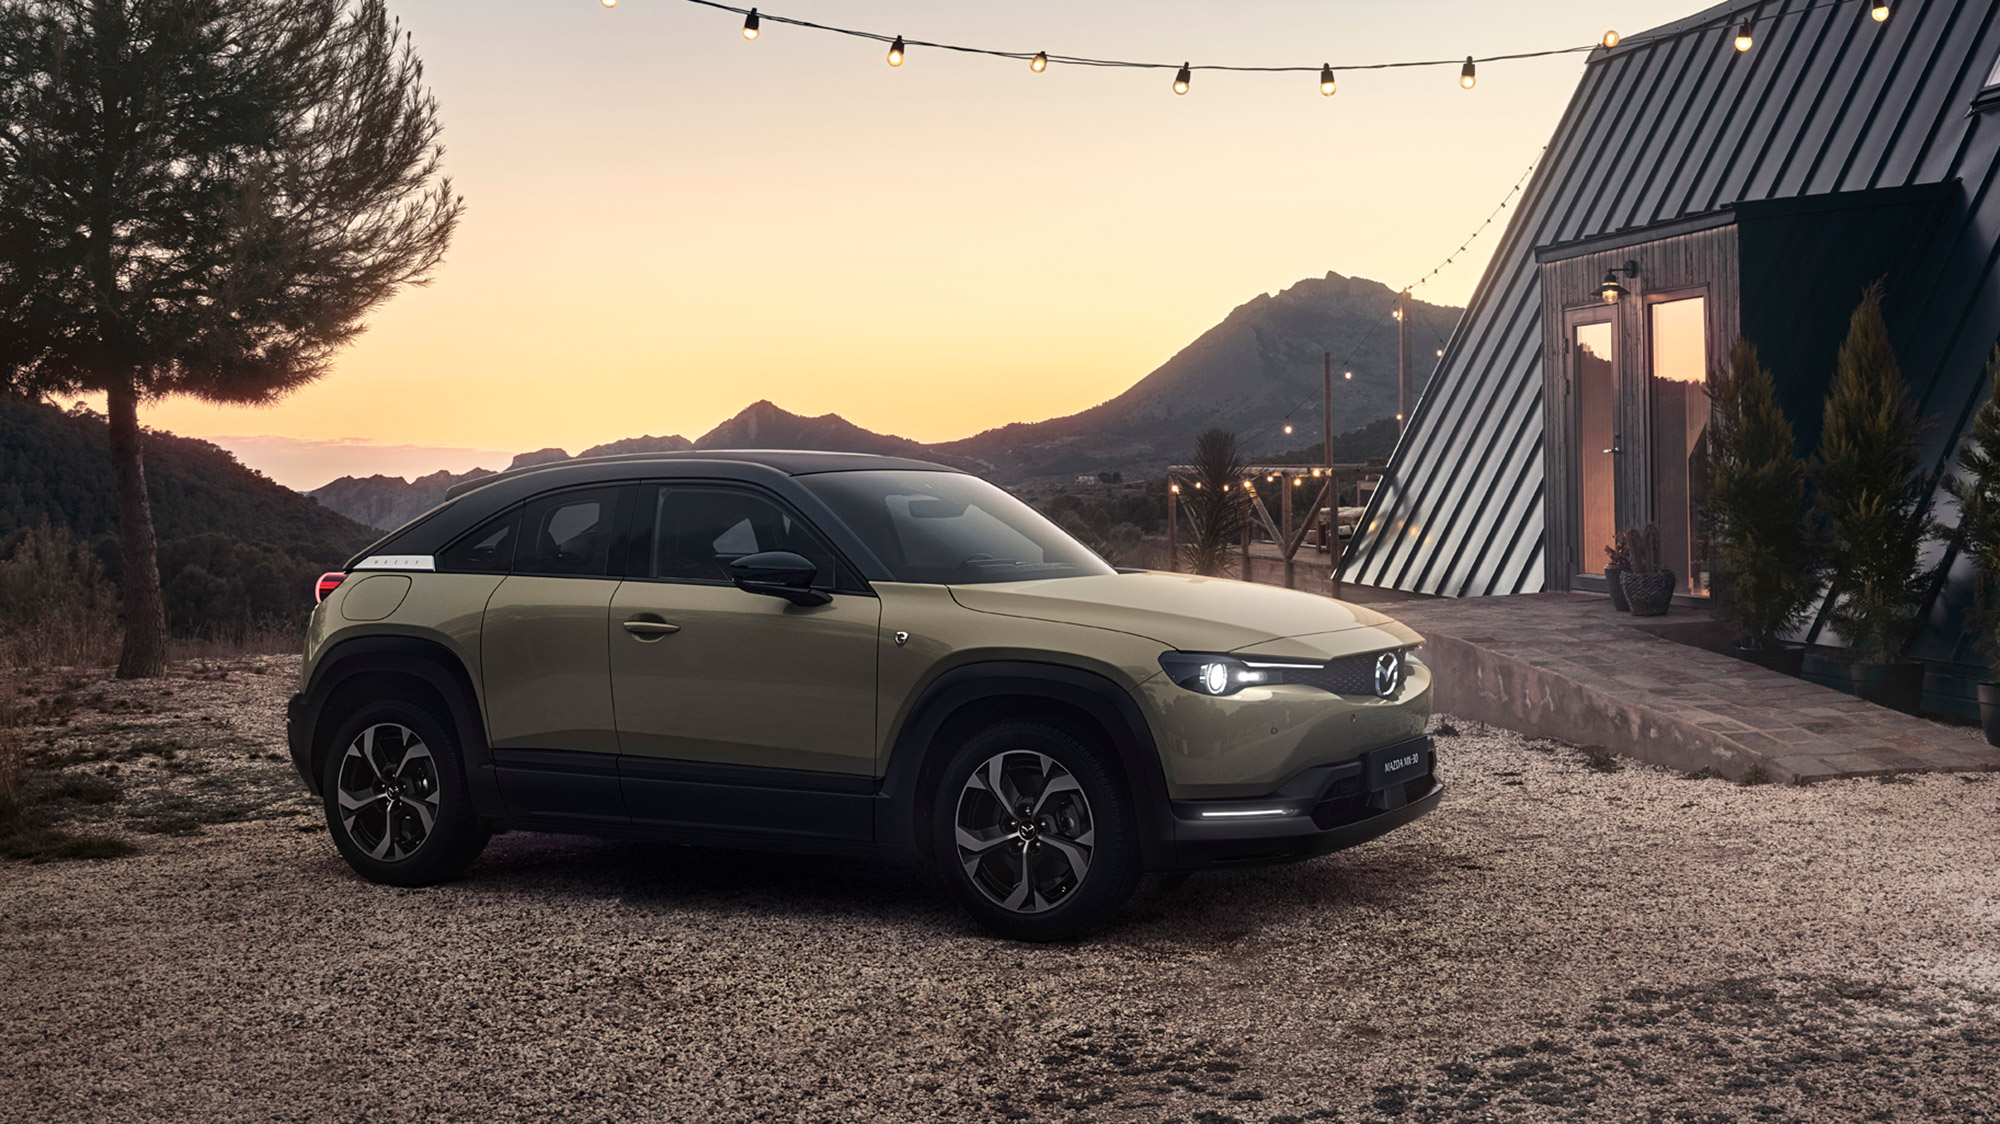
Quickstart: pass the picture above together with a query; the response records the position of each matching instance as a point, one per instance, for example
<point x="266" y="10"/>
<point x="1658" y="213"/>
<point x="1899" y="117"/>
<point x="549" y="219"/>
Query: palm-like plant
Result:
<point x="1977" y="492"/>
<point x="1871" y="492"/>
<point x="1759" y="541"/>
<point x="1218" y="508"/>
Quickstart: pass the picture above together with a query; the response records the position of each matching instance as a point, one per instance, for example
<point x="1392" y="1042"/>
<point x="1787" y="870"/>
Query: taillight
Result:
<point x="328" y="582"/>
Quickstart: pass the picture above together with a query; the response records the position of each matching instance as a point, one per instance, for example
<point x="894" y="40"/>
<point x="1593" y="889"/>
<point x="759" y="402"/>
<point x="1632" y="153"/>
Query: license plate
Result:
<point x="1398" y="764"/>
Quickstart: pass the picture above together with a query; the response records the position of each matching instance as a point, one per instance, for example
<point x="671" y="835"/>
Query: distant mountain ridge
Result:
<point x="1261" y="365"/>
<point x="388" y="502"/>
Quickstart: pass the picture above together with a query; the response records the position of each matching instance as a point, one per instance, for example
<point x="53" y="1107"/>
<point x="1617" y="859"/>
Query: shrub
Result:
<point x="1640" y="547"/>
<point x="1977" y="493"/>
<point x="1759" y="541"/>
<point x="56" y="608"/>
<point x="1870" y="491"/>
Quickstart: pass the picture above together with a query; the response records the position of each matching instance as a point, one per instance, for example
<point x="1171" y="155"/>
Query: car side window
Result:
<point x="698" y="531"/>
<point x="567" y="533"/>
<point x="486" y="549"/>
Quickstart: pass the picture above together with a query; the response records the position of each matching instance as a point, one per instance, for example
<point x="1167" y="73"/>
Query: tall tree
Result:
<point x="1219" y="507"/>
<point x="1977" y="492"/>
<point x="1759" y="538"/>
<point x="203" y="197"/>
<point x="1871" y="492"/>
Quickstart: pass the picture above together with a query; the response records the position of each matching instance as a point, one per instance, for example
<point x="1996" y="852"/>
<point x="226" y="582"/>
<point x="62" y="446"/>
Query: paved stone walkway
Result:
<point x="1567" y="666"/>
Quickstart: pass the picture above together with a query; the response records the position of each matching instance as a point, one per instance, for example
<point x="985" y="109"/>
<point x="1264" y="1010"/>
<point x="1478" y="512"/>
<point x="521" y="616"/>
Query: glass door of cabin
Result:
<point x="1678" y="408"/>
<point x="1594" y="389"/>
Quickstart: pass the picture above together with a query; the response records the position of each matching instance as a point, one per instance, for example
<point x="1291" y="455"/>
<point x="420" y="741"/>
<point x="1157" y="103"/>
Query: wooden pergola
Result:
<point x="1289" y="534"/>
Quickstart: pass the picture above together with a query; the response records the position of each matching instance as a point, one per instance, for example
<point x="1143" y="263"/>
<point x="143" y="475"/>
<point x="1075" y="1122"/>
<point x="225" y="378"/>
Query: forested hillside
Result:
<point x="237" y="549"/>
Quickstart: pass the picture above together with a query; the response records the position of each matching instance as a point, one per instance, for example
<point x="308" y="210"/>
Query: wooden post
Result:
<point x="1286" y="484"/>
<point x="1333" y="538"/>
<point x="1173" y="515"/>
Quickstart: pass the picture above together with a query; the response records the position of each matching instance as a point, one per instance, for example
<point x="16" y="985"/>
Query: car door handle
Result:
<point x="650" y="629"/>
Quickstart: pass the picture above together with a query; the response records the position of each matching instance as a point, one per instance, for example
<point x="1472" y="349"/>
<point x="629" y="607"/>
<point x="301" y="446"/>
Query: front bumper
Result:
<point x="1323" y="809"/>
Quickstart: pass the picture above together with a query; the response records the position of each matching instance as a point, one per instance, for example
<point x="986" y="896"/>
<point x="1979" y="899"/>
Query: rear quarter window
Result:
<point x="487" y="548"/>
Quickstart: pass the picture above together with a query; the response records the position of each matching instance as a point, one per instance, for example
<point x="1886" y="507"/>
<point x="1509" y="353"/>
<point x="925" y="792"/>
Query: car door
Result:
<point x="545" y="661"/>
<point x="735" y="709"/>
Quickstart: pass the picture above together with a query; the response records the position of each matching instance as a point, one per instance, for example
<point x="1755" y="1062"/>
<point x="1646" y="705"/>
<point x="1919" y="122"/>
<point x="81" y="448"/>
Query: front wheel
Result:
<point x="1034" y="832"/>
<point x="396" y="797"/>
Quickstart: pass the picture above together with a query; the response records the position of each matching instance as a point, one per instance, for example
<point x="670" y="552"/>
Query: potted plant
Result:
<point x="1649" y="587"/>
<point x="1617" y="560"/>
<point x="1759" y="540"/>
<point x="1977" y="534"/>
<point x="1871" y="495"/>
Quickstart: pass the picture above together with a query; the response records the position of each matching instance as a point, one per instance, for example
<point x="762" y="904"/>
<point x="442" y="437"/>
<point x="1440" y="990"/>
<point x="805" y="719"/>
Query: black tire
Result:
<point x="396" y="798"/>
<point x="1018" y="875"/>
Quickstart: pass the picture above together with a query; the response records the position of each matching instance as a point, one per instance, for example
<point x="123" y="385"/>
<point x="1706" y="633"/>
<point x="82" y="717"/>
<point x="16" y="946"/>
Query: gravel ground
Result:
<point x="1565" y="939"/>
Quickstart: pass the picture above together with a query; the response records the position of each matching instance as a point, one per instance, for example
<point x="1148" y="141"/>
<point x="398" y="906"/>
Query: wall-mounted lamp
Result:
<point x="1611" y="290"/>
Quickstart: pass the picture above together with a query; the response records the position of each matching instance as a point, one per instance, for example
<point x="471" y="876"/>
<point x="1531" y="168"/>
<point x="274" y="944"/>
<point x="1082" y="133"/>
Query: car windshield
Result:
<point x="947" y="528"/>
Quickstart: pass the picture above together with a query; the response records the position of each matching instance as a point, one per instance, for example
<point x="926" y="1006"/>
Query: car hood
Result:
<point x="1191" y="613"/>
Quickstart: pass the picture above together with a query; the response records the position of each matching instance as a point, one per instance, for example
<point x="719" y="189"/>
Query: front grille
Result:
<point x="1346" y="802"/>
<point x="1349" y="675"/>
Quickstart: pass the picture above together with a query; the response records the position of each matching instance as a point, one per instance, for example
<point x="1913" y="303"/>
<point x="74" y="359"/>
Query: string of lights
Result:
<point x="1743" y="40"/>
<point x="1375" y="322"/>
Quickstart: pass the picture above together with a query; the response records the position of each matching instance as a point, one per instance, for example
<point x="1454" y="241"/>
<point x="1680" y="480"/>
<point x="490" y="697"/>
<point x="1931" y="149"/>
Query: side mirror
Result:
<point x="779" y="573"/>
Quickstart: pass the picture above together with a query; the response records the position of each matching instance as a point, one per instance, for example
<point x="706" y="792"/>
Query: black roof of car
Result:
<point x="791" y="462"/>
<point x="471" y="502"/>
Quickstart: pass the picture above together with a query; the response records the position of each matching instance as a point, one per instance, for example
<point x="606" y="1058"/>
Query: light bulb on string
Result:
<point x="1610" y="40"/>
<point x="611" y="3"/>
<point x="1745" y="37"/>
<point x="1880" y="12"/>
<point x="896" y="52"/>
<point x="750" y="25"/>
<point x="1348" y="375"/>
<point x="1040" y="62"/>
<point x="1326" y="83"/>
<point x="1182" y="79"/>
<point x="1468" y="75"/>
<point x="1288" y="427"/>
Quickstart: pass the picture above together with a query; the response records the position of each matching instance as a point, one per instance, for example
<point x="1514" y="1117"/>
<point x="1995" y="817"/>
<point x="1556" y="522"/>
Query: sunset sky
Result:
<point x="666" y="222"/>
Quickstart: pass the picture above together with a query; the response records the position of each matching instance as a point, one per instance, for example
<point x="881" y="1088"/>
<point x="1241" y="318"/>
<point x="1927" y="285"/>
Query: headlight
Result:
<point x="1381" y="674"/>
<point x="1224" y="675"/>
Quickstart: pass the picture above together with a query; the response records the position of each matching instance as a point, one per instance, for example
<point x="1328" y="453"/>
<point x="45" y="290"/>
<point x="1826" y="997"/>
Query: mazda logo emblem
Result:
<point x="1388" y="674"/>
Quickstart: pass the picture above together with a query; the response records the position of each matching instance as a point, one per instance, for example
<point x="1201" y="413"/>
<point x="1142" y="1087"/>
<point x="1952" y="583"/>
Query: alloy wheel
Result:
<point x="388" y="791"/>
<point x="1024" y="831"/>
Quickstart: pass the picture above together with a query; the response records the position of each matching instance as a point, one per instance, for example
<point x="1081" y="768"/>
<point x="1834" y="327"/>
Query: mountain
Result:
<point x="1264" y="362"/>
<point x="762" y="425"/>
<point x="388" y="502"/>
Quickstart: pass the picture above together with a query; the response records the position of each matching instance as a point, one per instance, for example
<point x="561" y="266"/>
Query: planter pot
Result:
<point x="1613" y="582"/>
<point x="1785" y="659"/>
<point x="1989" y="711"/>
<point x="1827" y="671"/>
<point x="1649" y="594"/>
<point x="1899" y="686"/>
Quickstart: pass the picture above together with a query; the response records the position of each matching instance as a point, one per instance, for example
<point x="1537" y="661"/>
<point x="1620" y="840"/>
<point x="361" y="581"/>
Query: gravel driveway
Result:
<point x="1555" y="943"/>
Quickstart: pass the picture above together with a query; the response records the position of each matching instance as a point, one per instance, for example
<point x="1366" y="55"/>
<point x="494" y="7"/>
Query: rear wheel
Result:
<point x="396" y="797"/>
<point x="1034" y="832"/>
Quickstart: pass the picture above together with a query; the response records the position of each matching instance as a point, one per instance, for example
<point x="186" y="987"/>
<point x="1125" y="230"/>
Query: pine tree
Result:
<point x="1759" y="540"/>
<point x="1978" y="495"/>
<point x="1870" y="491"/>
<point x="202" y="197"/>
<point x="1218" y="508"/>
